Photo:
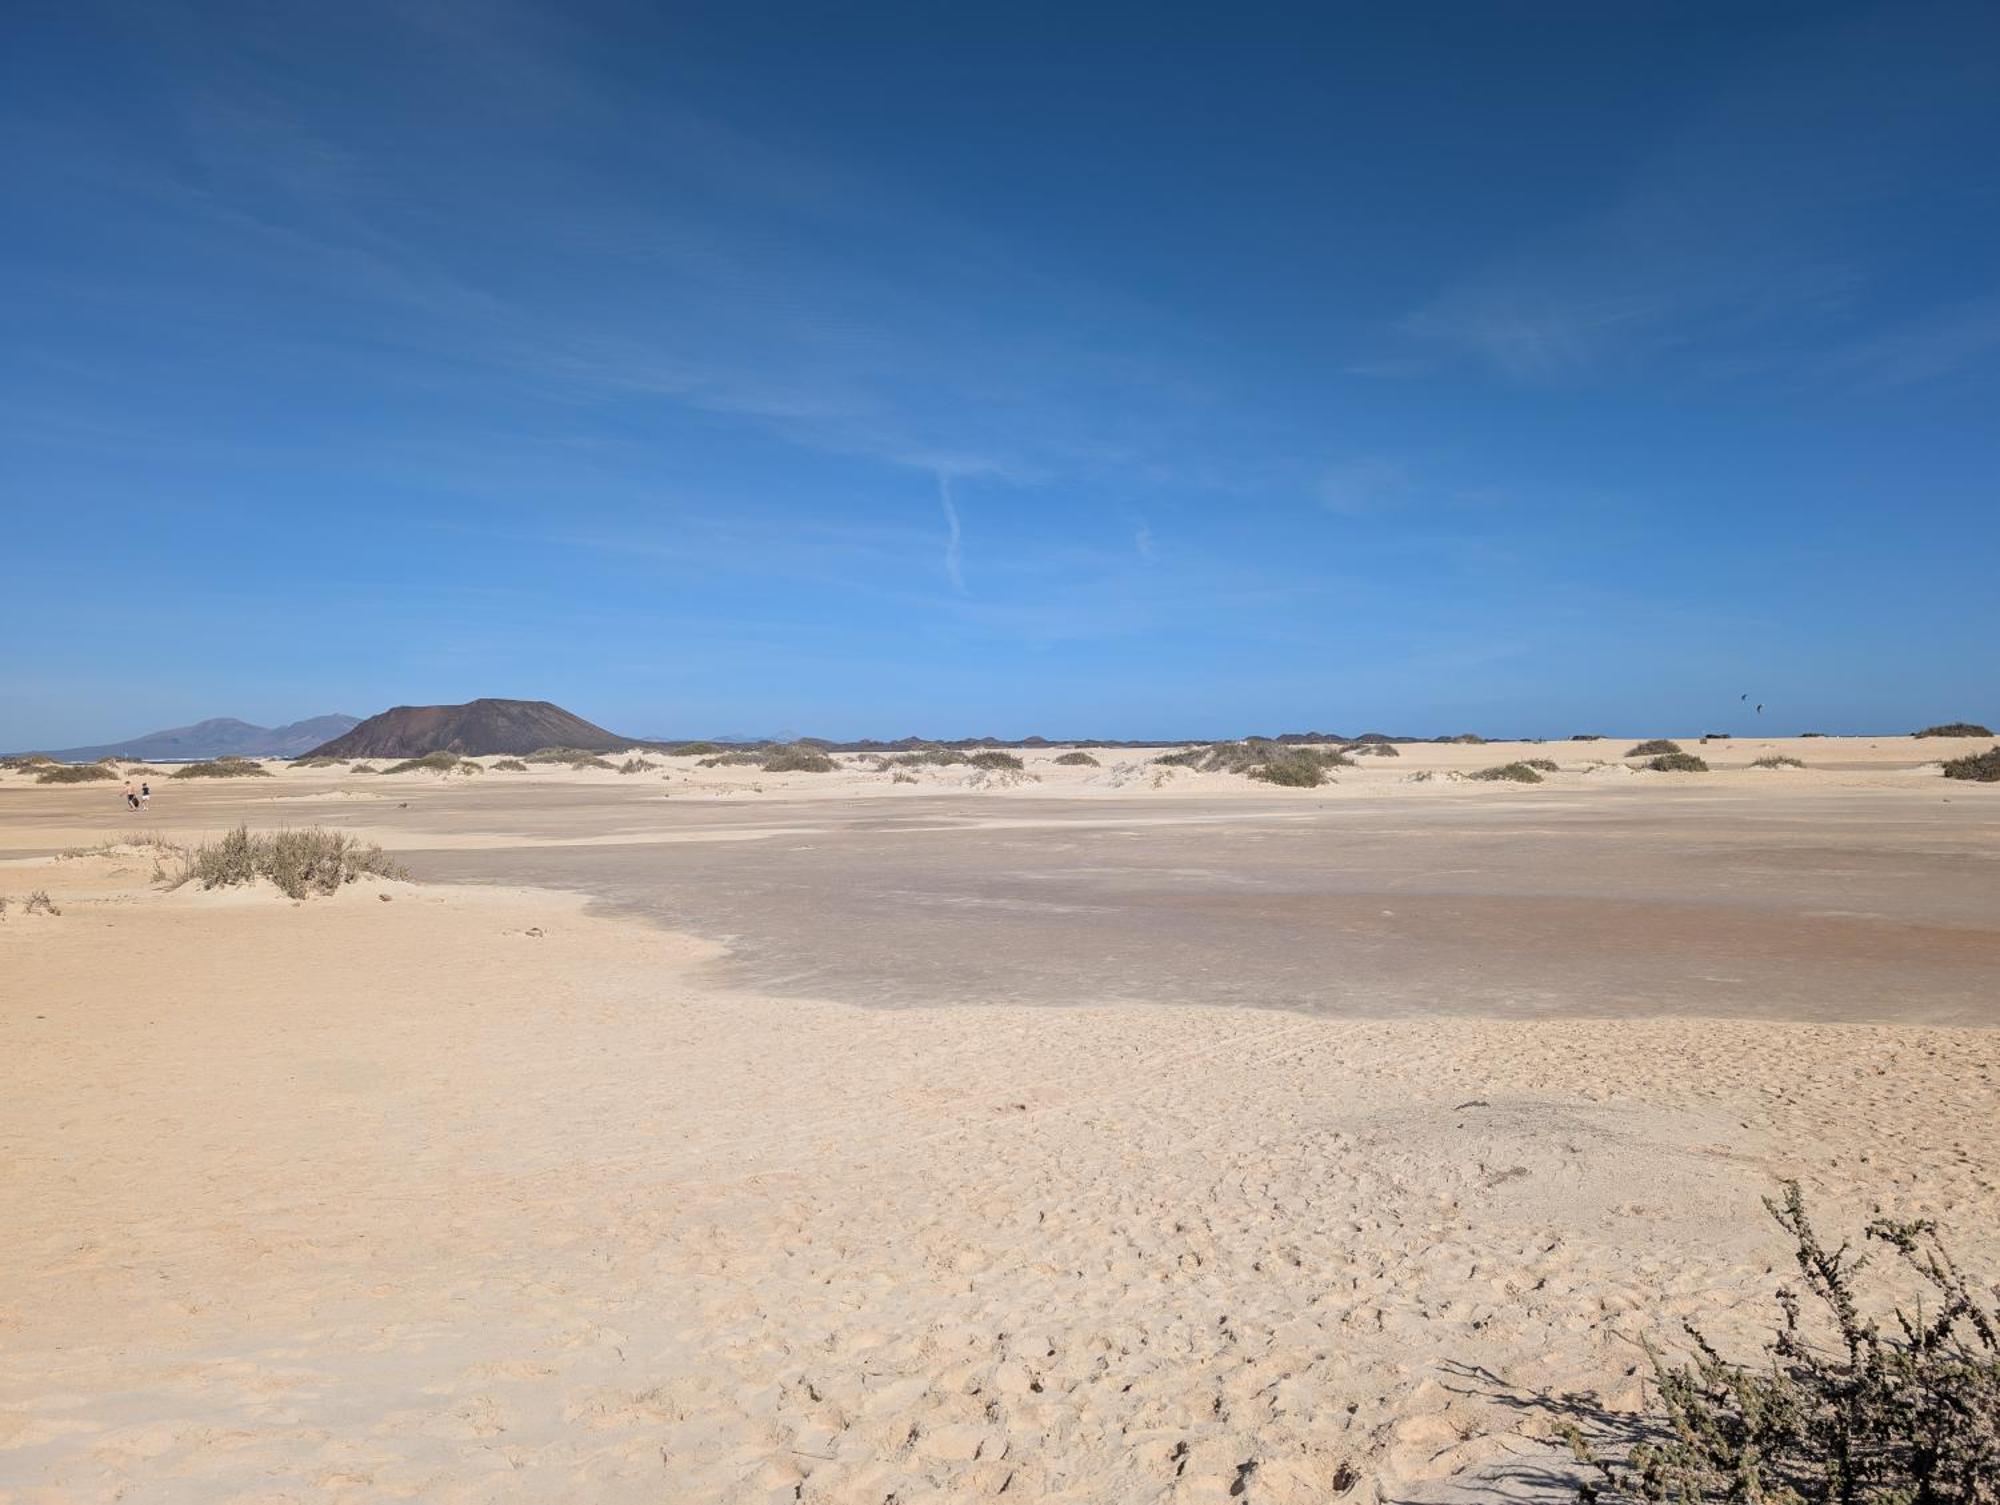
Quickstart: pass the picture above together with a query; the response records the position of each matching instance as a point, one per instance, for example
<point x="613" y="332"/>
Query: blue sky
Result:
<point x="1065" y="369"/>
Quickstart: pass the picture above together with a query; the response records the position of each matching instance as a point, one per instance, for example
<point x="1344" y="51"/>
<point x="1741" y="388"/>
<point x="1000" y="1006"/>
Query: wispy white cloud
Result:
<point x="954" y="542"/>
<point x="1355" y="488"/>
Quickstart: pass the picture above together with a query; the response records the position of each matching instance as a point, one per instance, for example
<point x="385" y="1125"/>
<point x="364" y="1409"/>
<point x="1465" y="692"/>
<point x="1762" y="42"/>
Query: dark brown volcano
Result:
<point x="479" y="726"/>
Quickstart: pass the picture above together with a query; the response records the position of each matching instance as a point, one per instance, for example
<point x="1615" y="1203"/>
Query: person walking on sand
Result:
<point x="145" y="795"/>
<point x="131" y="799"/>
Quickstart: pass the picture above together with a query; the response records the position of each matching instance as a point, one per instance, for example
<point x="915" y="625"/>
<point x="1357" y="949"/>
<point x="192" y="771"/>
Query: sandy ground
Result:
<point x="485" y="1192"/>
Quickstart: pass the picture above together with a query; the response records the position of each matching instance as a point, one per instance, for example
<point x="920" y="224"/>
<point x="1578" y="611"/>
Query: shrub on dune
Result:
<point x="1981" y="768"/>
<point x="1291" y="771"/>
<point x="300" y="863"/>
<point x="1373" y="750"/>
<point x="222" y="768"/>
<point x="510" y="765"/>
<point x="1658" y="747"/>
<point x="1778" y="760"/>
<point x="1511" y="773"/>
<point x="569" y="757"/>
<point x="1954" y="729"/>
<point x="1677" y="762"/>
<point x="362" y="768"/>
<point x="74" y="773"/>
<point x="27" y="762"/>
<point x="637" y="765"/>
<point x="1078" y="760"/>
<point x="436" y="762"/>
<point x="798" y="758"/>
<point x="994" y="760"/>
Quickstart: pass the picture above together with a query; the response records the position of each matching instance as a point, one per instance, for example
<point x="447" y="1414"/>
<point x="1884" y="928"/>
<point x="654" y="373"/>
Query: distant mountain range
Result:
<point x="478" y="727"/>
<point x="219" y="737"/>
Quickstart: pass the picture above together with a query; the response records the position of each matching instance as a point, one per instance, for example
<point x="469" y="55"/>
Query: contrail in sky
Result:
<point x="953" y="543"/>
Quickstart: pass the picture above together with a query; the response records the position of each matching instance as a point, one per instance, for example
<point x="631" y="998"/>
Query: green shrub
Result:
<point x="740" y="759"/>
<point x="1778" y="760"/>
<point x="1981" y="768"/>
<point x="1292" y="770"/>
<point x="510" y="765"/>
<point x="362" y="768"/>
<point x="73" y="773"/>
<point x="300" y="863"/>
<point x="1078" y="760"/>
<point x="1257" y="753"/>
<point x="436" y="762"/>
<point x="1546" y="765"/>
<point x="994" y="759"/>
<point x="222" y="768"/>
<point x="1905" y="1417"/>
<point x="694" y="749"/>
<point x="1658" y="747"/>
<point x="1512" y="773"/>
<point x="1677" y="762"/>
<point x="798" y="759"/>
<point x="1954" y="729"/>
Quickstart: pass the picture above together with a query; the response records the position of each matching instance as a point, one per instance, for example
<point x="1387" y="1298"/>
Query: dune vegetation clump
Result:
<point x="1470" y="739"/>
<point x="741" y="758"/>
<point x="1510" y="773"/>
<point x="300" y="863"/>
<point x="798" y="758"/>
<point x="27" y="762"/>
<point x="73" y="773"/>
<point x="1078" y="760"/>
<point x="510" y="765"/>
<point x="1955" y="729"/>
<point x="995" y="759"/>
<point x="436" y="762"/>
<point x="1545" y="765"/>
<point x="569" y="757"/>
<point x="317" y="760"/>
<point x="1373" y="750"/>
<point x="1778" y="760"/>
<point x="1288" y="763"/>
<point x="1658" y="747"/>
<point x="1908" y="1414"/>
<point x="637" y="765"/>
<point x="362" y="768"/>
<point x="222" y="768"/>
<point x="1980" y="768"/>
<point x="1677" y="762"/>
<point x="695" y="749"/>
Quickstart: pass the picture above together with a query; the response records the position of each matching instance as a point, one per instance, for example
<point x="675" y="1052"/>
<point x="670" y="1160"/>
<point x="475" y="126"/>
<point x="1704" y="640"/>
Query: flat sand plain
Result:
<point x="1101" y="1134"/>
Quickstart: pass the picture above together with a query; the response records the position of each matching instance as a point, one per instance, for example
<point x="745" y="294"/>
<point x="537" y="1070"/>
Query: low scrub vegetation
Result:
<point x="1955" y="729"/>
<point x="510" y="765"/>
<point x="300" y="863"/>
<point x="24" y="762"/>
<point x="1078" y="760"/>
<point x="695" y="749"/>
<point x="569" y="757"/>
<point x="1291" y="764"/>
<point x="1546" y="765"/>
<point x="1470" y="739"/>
<point x="1511" y="773"/>
<point x="362" y="768"/>
<point x="436" y="762"/>
<point x="222" y="768"/>
<point x="637" y="765"/>
<point x="1903" y="1413"/>
<point x="318" y="760"/>
<point x="1586" y="737"/>
<point x="73" y="773"/>
<point x="1653" y="749"/>
<point x="39" y="902"/>
<point x="1778" y="760"/>
<point x="1373" y="750"/>
<point x="995" y="759"/>
<point x="1677" y="762"/>
<point x="1980" y="768"/>
<point x="798" y="758"/>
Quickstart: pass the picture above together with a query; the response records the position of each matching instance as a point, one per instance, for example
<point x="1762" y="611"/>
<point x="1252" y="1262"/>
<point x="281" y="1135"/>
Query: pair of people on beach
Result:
<point x="141" y="799"/>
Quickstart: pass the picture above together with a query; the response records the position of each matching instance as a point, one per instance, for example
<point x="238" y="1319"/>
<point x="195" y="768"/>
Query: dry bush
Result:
<point x="436" y="762"/>
<point x="995" y="759"/>
<point x="317" y="760"/>
<point x="1374" y="750"/>
<point x="39" y="902"/>
<point x="1078" y="760"/>
<point x="569" y="757"/>
<point x="301" y="863"/>
<point x="1910" y="1416"/>
<point x="739" y="759"/>
<point x="74" y="773"/>
<point x="1954" y="729"/>
<point x="222" y="768"/>
<point x="1546" y="765"/>
<point x="22" y="762"/>
<point x="1299" y="770"/>
<point x="929" y="756"/>
<point x="636" y="765"/>
<point x="1980" y="768"/>
<point x="1295" y="766"/>
<point x="1658" y="747"/>
<point x="1511" y="773"/>
<point x="362" y="768"/>
<point x="1778" y="760"/>
<point x="798" y="758"/>
<point x="510" y="765"/>
<point x="1677" y="762"/>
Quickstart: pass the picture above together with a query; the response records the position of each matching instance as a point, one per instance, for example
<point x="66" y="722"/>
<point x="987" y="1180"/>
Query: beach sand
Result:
<point x="620" y="1183"/>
